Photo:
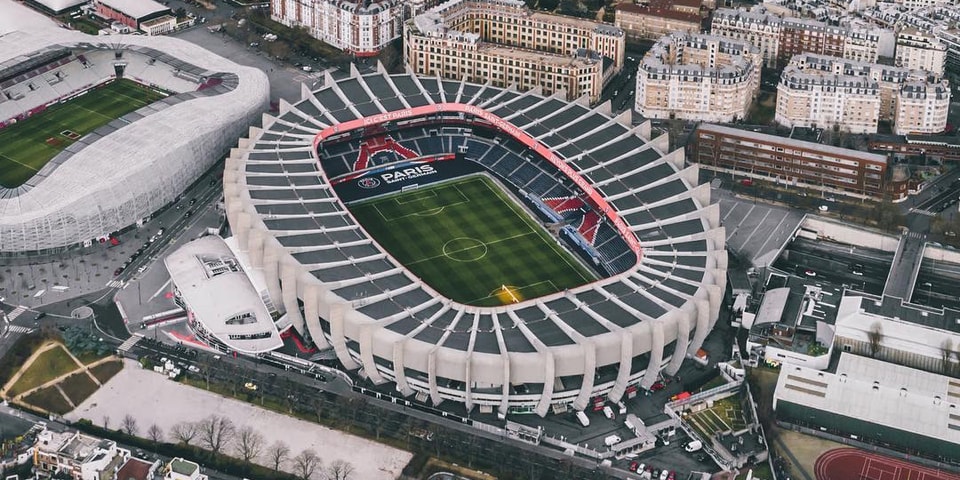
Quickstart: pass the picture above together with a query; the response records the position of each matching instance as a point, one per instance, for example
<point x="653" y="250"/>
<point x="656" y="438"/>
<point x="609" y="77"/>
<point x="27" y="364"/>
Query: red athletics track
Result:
<point x="853" y="464"/>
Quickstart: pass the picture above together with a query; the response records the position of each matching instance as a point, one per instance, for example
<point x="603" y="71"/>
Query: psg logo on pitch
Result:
<point x="368" y="182"/>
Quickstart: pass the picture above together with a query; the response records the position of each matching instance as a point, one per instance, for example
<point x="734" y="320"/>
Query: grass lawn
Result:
<point x="89" y="357"/>
<point x="468" y="240"/>
<point x="78" y="387"/>
<point x="28" y="145"/>
<point x="49" y="365"/>
<point x="106" y="371"/>
<point x="49" y="399"/>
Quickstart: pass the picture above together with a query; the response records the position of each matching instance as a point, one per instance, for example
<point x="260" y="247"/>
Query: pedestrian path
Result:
<point x="921" y="211"/>
<point x="129" y="343"/>
<point x="919" y="235"/>
<point x="16" y="313"/>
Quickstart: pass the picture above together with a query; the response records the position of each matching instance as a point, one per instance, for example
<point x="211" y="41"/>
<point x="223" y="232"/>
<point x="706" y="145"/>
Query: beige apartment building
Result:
<point x="504" y="42"/>
<point x="362" y="29"/>
<point x="828" y="92"/>
<point x="916" y="50"/>
<point x="779" y="39"/>
<point x="656" y="18"/>
<point x="698" y="77"/>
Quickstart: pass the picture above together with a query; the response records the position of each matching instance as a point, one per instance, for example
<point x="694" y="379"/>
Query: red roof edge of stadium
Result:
<point x="505" y="127"/>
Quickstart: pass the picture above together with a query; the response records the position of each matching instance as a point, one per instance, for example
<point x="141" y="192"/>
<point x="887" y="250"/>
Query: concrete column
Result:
<point x="311" y="314"/>
<point x="626" y="361"/>
<point x="366" y="353"/>
<point x="684" y="318"/>
<point x="337" y="312"/>
<point x="505" y="364"/>
<point x="402" y="386"/>
<point x="656" y="354"/>
<point x="271" y="272"/>
<point x="288" y="274"/>
<point x="432" y="376"/>
<point x="589" y="372"/>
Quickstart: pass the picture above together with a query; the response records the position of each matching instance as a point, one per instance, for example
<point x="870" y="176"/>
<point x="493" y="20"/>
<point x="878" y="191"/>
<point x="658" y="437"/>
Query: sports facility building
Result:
<point x="476" y="244"/>
<point x="71" y="177"/>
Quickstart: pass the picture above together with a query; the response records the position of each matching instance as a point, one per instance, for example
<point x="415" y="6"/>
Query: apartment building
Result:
<point x="761" y="29"/>
<point x="698" y="77"/>
<point x="362" y="29"/>
<point x="916" y="50"/>
<point x="504" y="42"/>
<point x="654" y="19"/>
<point x="76" y="456"/>
<point x="828" y="92"/>
<point x="789" y="161"/>
<point x="779" y="39"/>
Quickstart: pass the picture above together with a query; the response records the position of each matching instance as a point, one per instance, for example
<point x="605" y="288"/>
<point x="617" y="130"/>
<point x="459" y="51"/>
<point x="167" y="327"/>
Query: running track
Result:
<point x="853" y="464"/>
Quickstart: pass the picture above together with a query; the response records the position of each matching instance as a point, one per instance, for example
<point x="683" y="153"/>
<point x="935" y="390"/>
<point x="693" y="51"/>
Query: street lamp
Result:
<point x="929" y="287"/>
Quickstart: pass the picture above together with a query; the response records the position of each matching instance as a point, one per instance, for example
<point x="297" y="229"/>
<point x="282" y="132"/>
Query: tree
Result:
<point x="184" y="432"/>
<point x="946" y="353"/>
<point x="875" y="337"/>
<point x="306" y="464"/>
<point x="249" y="443"/>
<point x="129" y="425"/>
<point x="215" y="433"/>
<point x="278" y="452"/>
<point x="106" y="422"/>
<point x="340" y="470"/>
<point x="155" y="433"/>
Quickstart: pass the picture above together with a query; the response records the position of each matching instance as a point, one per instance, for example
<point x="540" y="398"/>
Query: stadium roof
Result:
<point x="878" y="392"/>
<point x="136" y="8"/>
<point x="133" y="166"/>
<point x="203" y="271"/>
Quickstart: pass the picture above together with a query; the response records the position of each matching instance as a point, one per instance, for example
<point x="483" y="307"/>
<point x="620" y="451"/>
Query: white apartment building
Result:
<point x="918" y="50"/>
<point x="75" y="455"/>
<point x="504" y="42"/>
<point x="779" y="38"/>
<point x="362" y="29"/>
<point x="698" y="77"/>
<point x="761" y="29"/>
<point x="828" y="92"/>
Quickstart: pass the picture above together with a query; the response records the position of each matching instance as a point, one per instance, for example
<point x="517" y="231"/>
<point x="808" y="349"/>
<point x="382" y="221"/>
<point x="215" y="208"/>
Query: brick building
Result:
<point x="654" y="19"/>
<point x="791" y="162"/>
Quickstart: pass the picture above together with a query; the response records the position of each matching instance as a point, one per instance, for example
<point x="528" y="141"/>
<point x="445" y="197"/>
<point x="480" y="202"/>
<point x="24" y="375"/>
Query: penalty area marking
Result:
<point x="471" y="244"/>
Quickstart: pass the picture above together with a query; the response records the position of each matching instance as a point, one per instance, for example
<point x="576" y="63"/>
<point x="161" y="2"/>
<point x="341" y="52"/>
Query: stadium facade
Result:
<point x="643" y="223"/>
<point x="130" y="168"/>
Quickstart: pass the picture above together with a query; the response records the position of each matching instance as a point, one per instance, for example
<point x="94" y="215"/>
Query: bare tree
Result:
<point x="215" y="432"/>
<point x="875" y="337"/>
<point x="306" y="464"/>
<point x="184" y="432"/>
<point x="339" y="470"/>
<point x="155" y="433"/>
<point x="129" y="425"/>
<point x="278" y="452"/>
<point x="249" y="443"/>
<point x="106" y="422"/>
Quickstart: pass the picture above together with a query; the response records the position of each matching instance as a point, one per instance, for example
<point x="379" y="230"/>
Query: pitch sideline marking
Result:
<point x="20" y="163"/>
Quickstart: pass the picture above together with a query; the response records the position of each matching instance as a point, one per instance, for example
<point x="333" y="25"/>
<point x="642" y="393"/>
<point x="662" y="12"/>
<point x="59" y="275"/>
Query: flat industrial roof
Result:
<point x="878" y="392"/>
<point x="136" y="8"/>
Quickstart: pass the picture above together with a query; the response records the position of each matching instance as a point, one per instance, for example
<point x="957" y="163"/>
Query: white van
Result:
<point x="693" y="446"/>
<point x="623" y="408"/>
<point x="612" y="440"/>
<point x="608" y="412"/>
<point x="582" y="418"/>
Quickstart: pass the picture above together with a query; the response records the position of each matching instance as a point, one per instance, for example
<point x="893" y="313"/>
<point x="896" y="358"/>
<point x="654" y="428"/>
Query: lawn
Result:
<point x="49" y="399"/>
<point x="25" y="147"/>
<point x="471" y="243"/>
<point x="78" y="387"/>
<point x="105" y="371"/>
<point x="49" y="365"/>
<point x="88" y="357"/>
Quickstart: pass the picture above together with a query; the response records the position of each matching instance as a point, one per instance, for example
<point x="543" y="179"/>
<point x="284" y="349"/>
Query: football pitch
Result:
<point x="471" y="243"/>
<point x="26" y="146"/>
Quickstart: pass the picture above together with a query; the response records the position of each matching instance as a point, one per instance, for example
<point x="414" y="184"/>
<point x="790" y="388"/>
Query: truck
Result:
<point x="582" y="418"/>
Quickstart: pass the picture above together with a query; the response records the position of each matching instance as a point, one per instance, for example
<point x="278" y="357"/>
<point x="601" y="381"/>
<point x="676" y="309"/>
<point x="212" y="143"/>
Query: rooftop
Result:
<point x="135" y="469"/>
<point x="788" y="142"/>
<point x="183" y="467"/>
<point x="136" y="8"/>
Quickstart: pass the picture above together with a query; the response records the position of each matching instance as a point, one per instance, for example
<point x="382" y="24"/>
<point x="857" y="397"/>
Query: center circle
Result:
<point x="464" y="249"/>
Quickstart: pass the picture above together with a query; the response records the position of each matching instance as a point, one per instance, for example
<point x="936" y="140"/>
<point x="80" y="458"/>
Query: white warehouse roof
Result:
<point x="135" y="8"/>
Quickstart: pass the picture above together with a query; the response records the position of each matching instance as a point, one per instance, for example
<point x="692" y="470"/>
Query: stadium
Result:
<point x="504" y="250"/>
<point x="98" y="133"/>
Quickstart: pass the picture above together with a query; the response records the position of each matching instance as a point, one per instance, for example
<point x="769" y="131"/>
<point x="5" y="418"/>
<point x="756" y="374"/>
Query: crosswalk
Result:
<point x="16" y="312"/>
<point x="115" y="284"/>
<point x="920" y="235"/>
<point x="19" y="329"/>
<point x="921" y="211"/>
<point x="129" y="343"/>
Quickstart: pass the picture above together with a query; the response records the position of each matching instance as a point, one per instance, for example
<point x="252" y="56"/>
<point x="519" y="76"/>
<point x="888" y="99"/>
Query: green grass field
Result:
<point x="468" y="240"/>
<point x="28" y="145"/>
<point x="49" y="365"/>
